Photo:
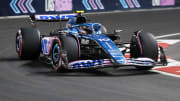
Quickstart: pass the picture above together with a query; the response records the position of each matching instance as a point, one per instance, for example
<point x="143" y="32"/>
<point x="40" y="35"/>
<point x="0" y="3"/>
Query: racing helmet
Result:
<point x="87" y="29"/>
<point x="80" y="20"/>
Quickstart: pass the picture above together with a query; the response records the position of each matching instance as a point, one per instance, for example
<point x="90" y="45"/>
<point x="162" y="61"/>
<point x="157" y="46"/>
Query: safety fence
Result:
<point x="26" y="7"/>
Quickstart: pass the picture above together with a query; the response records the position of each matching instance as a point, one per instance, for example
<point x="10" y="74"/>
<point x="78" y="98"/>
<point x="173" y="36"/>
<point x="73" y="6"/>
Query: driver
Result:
<point x="85" y="30"/>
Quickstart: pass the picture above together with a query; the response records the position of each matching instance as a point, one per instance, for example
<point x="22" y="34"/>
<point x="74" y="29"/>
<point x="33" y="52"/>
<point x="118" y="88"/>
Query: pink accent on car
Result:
<point x="139" y="41"/>
<point x="48" y="45"/>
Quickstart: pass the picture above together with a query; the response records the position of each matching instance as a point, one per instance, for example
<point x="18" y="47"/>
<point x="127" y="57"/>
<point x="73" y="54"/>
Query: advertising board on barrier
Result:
<point x="54" y="17"/>
<point x="58" y="5"/>
<point x="163" y="2"/>
<point x="26" y="7"/>
<point x="130" y="3"/>
<point x="22" y="6"/>
<point x="92" y="4"/>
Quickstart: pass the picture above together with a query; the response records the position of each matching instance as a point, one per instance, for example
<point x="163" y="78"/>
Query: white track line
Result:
<point x="168" y="35"/>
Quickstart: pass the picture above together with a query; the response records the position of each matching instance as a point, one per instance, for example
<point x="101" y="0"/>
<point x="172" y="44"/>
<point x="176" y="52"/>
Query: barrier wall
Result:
<point x="26" y="7"/>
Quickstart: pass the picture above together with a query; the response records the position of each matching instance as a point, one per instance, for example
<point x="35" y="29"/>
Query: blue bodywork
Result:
<point x="105" y="42"/>
<point x="78" y="28"/>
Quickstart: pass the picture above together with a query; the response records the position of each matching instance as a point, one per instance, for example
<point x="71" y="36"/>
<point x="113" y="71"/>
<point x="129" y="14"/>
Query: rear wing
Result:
<point x="52" y="17"/>
<point x="55" y="17"/>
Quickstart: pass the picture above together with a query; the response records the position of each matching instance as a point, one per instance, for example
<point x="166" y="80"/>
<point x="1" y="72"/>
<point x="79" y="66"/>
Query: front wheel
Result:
<point x="59" y="57"/>
<point x="144" y="45"/>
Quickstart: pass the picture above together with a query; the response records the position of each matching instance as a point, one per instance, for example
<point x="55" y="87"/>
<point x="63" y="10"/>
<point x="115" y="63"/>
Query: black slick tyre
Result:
<point x="28" y="43"/>
<point x="143" y="45"/>
<point x="70" y="45"/>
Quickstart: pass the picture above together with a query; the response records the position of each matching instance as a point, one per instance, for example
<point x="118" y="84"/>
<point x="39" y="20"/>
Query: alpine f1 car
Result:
<point x="83" y="45"/>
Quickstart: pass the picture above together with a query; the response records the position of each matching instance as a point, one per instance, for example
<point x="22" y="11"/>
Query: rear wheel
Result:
<point x="28" y="43"/>
<point x="143" y="45"/>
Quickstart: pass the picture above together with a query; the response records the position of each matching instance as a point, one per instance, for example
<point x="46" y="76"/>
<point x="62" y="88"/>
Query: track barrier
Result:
<point x="27" y="7"/>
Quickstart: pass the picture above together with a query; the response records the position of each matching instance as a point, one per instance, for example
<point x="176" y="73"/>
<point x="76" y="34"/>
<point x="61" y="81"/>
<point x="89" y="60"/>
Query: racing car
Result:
<point x="83" y="45"/>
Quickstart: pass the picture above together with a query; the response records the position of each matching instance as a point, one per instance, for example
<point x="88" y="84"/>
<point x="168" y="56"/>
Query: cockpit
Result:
<point x="80" y="24"/>
<point x="85" y="29"/>
<point x="92" y="28"/>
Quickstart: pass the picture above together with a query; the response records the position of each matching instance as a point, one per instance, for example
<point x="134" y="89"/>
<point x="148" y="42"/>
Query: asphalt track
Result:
<point x="34" y="81"/>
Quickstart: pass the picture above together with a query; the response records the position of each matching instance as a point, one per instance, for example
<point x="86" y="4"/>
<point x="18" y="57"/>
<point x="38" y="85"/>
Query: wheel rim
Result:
<point x="56" y="57"/>
<point x="19" y="44"/>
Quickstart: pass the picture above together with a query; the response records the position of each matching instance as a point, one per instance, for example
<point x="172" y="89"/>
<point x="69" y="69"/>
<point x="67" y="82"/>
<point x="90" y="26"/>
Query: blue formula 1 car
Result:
<point x="83" y="45"/>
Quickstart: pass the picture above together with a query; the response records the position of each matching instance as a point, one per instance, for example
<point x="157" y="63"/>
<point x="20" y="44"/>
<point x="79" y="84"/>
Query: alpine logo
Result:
<point x="86" y="63"/>
<point x="54" y="17"/>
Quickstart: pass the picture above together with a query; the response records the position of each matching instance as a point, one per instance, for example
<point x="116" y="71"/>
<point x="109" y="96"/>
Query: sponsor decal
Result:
<point x="58" y="5"/>
<point x="87" y="63"/>
<point x="54" y="17"/>
<point x="130" y="3"/>
<point x="104" y="39"/>
<point x="93" y="4"/>
<point x="22" y="6"/>
<point x="44" y="45"/>
<point x="163" y="2"/>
